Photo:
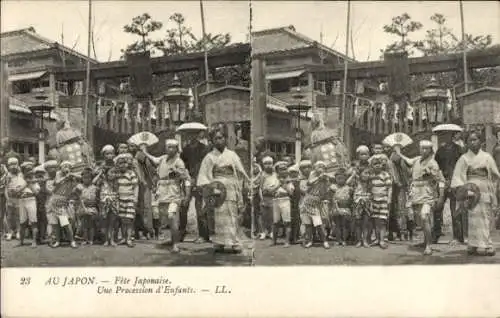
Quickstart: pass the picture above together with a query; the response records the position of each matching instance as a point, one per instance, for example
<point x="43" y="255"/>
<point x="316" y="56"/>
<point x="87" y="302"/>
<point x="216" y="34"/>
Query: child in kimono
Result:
<point x="58" y="206"/>
<point x="305" y="170"/>
<point x="342" y="202"/>
<point x="127" y="186"/>
<point x="50" y="167"/>
<point x="293" y="184"/>
<point x="381" y="196"/>
<point x="318" y="184"/>
<point x="256" y="181"/>
<point x="281" y="204"/>
<point x="41" y="200"/>
<point x="269" y="184"/>
<point x="361" y="163"/>
<point x="108" y="203"/>
<point x="88" y="199"/>
<point x="361" y="208"/>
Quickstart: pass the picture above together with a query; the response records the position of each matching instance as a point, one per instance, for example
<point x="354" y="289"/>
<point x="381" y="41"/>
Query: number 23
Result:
<point x="25" y="281"/>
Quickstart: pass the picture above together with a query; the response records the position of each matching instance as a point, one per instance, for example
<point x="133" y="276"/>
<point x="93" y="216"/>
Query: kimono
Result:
<point x="481" y="170"/>
<point x="342" y="200"/>
<point x="146" y="174"/>
<point x="361" y="201"/>
<point x="88" y="199"/>
<point x="127" y="185"/>
<point x="399" y="211"/>
<point x="227" y="168"/>
<point x="317" y="192"/>
<point x="379" y="186"/>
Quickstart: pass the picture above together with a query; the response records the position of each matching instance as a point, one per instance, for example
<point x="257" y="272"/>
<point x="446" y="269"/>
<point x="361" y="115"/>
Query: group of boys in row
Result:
<point x="105" y="203"/>
<point x="382" y="194"/>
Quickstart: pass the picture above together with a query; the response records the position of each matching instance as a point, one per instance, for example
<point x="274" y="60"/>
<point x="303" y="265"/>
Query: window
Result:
<point x="21" y="87"/>
<point x="280" y="86"/>
<point x="320" y="86"/>
<point x="18" y="147"/>
<point x="290" y="148"/>
<point x="62" y="87"/>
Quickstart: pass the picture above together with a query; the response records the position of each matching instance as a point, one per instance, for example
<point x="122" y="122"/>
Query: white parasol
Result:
<point x="193" y="126"/>
<point x="398" y="138"/>
<point x="447" y="127"/>
<point x="143" y="138"/>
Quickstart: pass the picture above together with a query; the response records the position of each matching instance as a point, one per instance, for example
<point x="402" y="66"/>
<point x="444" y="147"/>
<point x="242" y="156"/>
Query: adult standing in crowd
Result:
<point x="192" y="155"/>
<point x="223" y="165"/>
<point x="145" y="171"/>
<point x="447" y="156"/>
<point x="477" y="169"/>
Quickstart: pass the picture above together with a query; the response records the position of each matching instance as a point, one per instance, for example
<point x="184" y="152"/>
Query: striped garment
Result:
<point x="380" y="185"/>
<point x="127" y="186"/>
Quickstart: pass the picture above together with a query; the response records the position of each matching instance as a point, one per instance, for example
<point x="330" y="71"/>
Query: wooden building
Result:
<point x="29" y="57"/>
<point x="284" y="54"/>
<point x="481" y="107"/>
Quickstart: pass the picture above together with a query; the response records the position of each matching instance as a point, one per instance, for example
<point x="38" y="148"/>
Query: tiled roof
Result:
<point x="21" y="41"/>
<point x="27" y="40"/>
<point x="279" y="105"/>
<point x="286" y="39"/>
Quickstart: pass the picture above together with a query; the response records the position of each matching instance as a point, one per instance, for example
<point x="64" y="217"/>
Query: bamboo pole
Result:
<point x="344" y="95"/>
<point x="202" y="12"/>
<point x="87" y="84"/>
<point x="251" y="143"/>
<point x="464" y="47"/>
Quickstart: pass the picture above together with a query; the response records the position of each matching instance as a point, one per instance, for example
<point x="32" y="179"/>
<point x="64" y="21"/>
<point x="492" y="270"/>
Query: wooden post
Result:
<point x="490" y="138"/>
<point x="259" y="101"/>
<point x="4" y="103"/>
<point x="90" y="112"/>
<point x="310" y="97"/>
<point x="52" y="90"/>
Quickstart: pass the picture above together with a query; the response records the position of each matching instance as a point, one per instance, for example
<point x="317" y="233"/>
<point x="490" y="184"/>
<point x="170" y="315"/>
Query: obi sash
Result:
<point x="225" y="171"/>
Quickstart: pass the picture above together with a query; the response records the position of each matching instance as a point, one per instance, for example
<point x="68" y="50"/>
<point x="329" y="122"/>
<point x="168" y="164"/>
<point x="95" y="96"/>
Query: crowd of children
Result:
<point x="349" y="206"/>
<point x="57" y="205"/>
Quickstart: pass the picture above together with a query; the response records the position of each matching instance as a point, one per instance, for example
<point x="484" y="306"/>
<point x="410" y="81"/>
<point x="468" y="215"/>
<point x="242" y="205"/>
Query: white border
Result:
<point x="340" y="291"/>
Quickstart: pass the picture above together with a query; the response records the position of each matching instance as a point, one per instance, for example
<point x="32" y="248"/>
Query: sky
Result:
<point x="50" y="18"/>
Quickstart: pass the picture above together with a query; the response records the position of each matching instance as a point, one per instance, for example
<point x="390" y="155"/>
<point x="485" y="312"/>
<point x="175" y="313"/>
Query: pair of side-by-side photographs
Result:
<point x="249" y="133"/>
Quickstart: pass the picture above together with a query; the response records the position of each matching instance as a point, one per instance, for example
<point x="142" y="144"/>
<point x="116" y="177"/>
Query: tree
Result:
<point x="142" y="26"/>
<point x="402" y="26"/>
<point x="437" y="40"/>
<point x="181" y="40"/>
<point x="216" y="41"/>
<point x="442" y="40"/>
<point x="177" y="40"/>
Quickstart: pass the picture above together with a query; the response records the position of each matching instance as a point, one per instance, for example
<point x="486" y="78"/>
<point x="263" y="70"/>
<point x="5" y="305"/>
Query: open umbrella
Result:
<point x="398" y="138"/>
<point x="193" y="126"/>
<point x="447" y="127"/>
<point x="143" y="138"/>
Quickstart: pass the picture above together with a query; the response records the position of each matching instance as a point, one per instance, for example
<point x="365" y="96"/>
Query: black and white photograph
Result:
<point x="210" y="158"/>
<point x="125" y="133"/>
<point x="376" y="148"/>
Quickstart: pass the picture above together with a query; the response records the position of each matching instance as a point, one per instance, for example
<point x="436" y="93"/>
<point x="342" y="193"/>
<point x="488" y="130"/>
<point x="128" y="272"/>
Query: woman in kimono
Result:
<point x="224" y="165"/>
<point x="478" y="167"/>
